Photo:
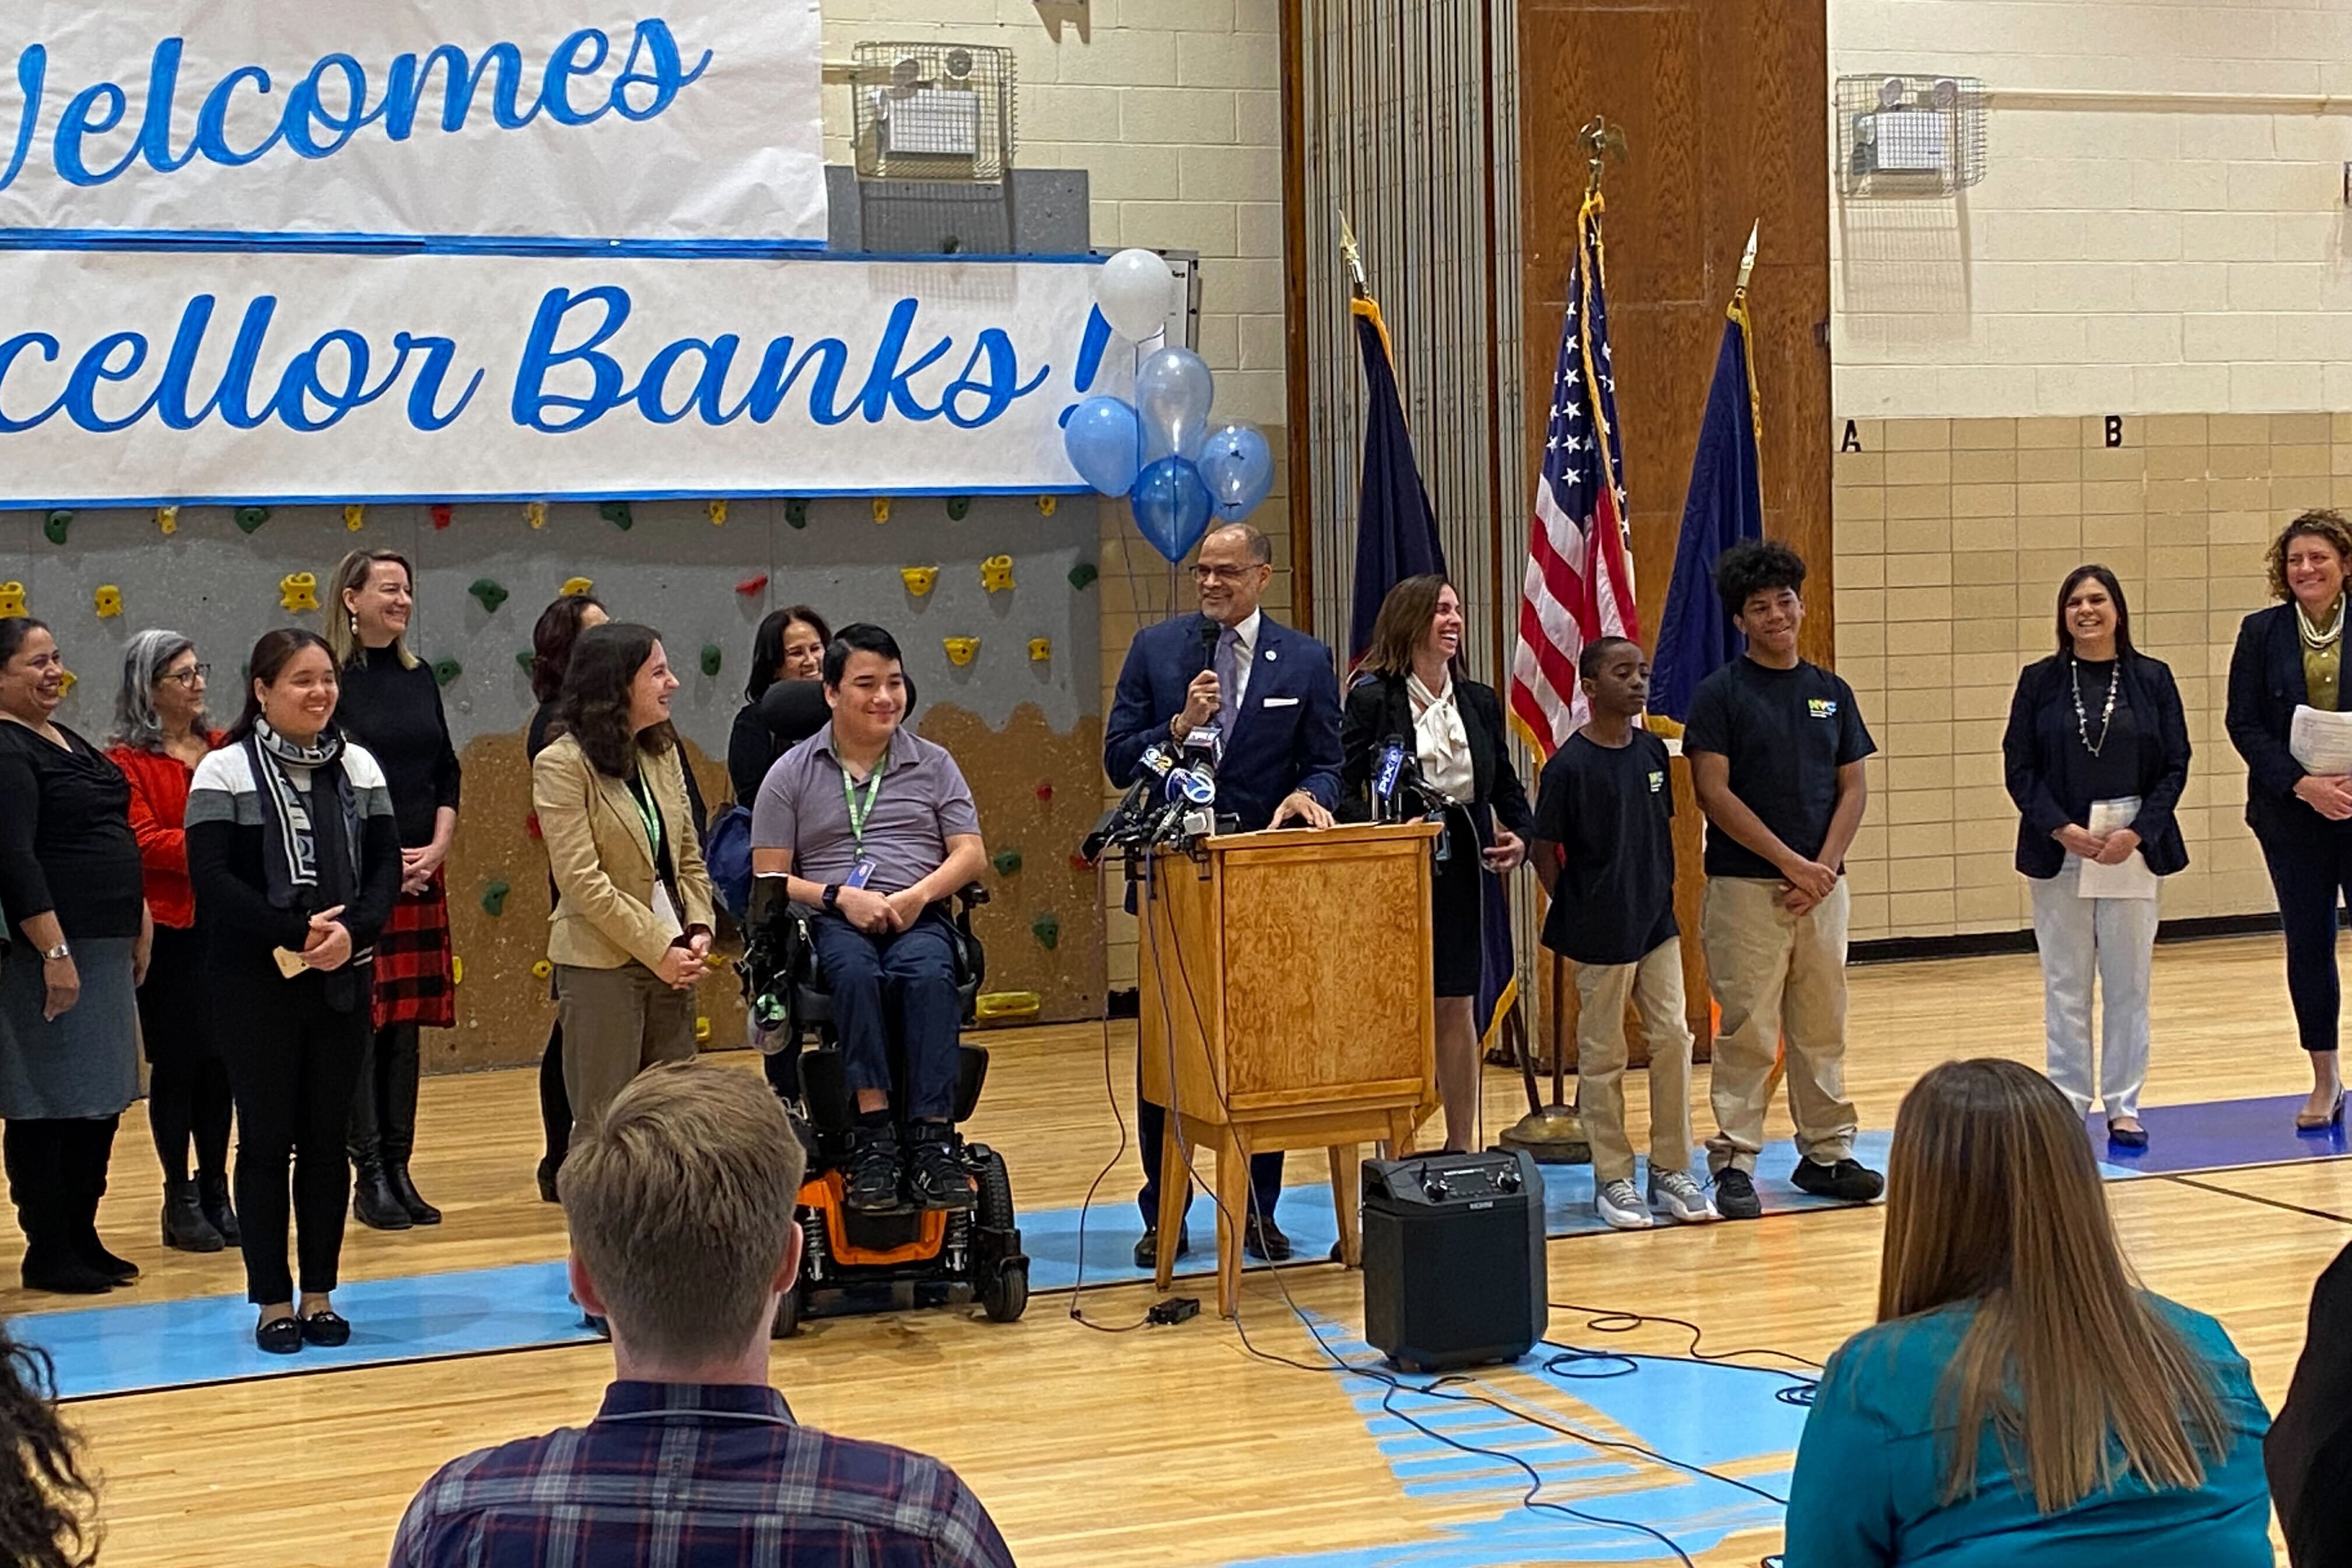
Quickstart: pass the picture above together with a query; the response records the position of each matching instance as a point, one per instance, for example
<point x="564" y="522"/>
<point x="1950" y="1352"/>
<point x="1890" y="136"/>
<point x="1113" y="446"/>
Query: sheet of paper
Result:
<point x="2320" y="740"/>
<point x="2132" y="879"/>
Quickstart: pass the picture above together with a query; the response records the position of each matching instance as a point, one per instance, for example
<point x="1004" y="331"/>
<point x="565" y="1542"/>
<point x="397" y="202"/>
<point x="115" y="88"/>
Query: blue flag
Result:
<point x="1725" y="505"/>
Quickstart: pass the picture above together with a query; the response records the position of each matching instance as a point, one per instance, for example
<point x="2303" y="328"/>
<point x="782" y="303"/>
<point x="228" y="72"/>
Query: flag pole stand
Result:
<point x="1551" y="1134"/>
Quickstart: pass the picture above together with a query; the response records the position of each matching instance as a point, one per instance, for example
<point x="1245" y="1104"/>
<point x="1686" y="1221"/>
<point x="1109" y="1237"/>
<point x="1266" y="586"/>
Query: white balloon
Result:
<point x="1137" y="294"/>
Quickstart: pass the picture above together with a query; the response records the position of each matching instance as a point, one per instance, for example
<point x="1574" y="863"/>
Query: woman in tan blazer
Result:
<point x="632" y="925"/>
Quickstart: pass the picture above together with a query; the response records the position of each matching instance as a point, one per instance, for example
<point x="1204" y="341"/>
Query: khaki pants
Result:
<point x="617" y="1023"/>
<point x="1777" y="977"/>
<point x="1654" y="981"/>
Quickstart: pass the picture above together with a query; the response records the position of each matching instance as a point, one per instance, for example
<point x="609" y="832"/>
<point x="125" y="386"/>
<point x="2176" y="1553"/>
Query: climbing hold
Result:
<point x="167" y="518"/>
<point x="1046" y="793"/>
<point x="440" y="514"/>
<point x="543" y="970"/>
<point x="1048" y="929"/>
<point x="572" y="585"/>
<point x="959" y="507"/>
<point x="525" y="661"/>
<point x="250" y="518"/>
<point x="751" y="586"/>
<point x="298" y="591"/>
<point x="617" y="513"/>
<point x="881" y="509"/>
<point x="999" y="1005"/>
<point x="530" y="826"/>
<point x="712" y="658"/>
<point x="1045" y="505"/>
<point x="1040" y="649"/>
<point x="12" y="601"/>
<point x="1082" y="575"/>
<point x="534" y="512"/>
<point x="1007" y="861"/>
<point x="66" y="678"/>
<point x="494" y="897"/>
<point x="996" y="572"/>
<point x="919" y="579"/>
<point x="959" y="649"/>
<point x="110" y="601"/>
<point x="490" y="595"/>
<point x="1080" y="862"/>
<point x="716" y="508"/>
<point x="354" y="518"/>
<point x="702" y="1031"/>
<point x="446" y="670"/>
<point x="58" y="522"/>
<point x="456" y="970"/>
<point x="796" y="510"/>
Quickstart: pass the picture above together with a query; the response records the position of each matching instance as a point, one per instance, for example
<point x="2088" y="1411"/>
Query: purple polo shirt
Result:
<point x="924" y="801"/>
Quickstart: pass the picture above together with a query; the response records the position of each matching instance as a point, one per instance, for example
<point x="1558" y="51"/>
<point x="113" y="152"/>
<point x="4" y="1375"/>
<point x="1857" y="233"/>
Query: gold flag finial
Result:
<point x="1351" y="253"/>
<point x="1746" y="261"/>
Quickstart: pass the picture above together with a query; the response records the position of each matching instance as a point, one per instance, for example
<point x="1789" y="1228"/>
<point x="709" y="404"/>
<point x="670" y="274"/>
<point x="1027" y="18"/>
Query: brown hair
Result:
<point x="1399" y="630"/>
<point x="1993" y="1200"/>
<point x="2321" y="522"/>
<point x="350" y="575"/>
<point x="680" y="1202"/>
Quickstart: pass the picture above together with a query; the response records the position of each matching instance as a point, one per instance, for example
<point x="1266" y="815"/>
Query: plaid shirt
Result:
<point x="680" y="1475"/>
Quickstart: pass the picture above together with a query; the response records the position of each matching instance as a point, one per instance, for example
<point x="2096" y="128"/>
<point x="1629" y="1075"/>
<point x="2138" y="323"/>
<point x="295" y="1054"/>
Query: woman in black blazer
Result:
<point x="2291" y="656"/>
<point x="2096" y="721"/>
<point x="1409" y="690"/>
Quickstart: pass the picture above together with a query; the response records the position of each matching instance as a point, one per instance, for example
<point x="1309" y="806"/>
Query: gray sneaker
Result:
<point x="1618" y="1204"/>
<point x="1675" y="1195"/>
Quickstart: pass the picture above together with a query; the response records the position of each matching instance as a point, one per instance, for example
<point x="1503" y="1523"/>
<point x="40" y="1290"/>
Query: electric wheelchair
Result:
<point x="854" y="1260"/>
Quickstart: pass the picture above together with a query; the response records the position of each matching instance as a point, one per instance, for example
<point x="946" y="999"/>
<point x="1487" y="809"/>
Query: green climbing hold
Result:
<point x="446" y="670"/>
<point x="618" y="513"/>
<point x="250" y="518"/>
<point x="1082" y="575"/>
<point x="1007" y="861"/>
<point x="796" y="510"/>
<point x="494" y="897"/>
<point x="710" y="659"/>
<point x="525" y="661"/>
<point x="958" y="507"/>
<point x="1048" y="929"/>
<point x="58" y="522"/>
<point x="488" y="593"/>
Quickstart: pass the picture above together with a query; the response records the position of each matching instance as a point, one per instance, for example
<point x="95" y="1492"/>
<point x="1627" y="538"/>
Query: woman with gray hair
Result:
<point x="160" y="736"/>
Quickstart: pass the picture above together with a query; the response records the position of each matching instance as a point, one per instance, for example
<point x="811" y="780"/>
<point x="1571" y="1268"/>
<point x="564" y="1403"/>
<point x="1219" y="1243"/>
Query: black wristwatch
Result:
<point x="832" y="895"/>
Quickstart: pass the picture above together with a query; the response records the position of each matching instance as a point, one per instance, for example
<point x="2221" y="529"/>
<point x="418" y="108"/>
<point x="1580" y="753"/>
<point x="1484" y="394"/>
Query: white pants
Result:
<point x="2115" y="940"/>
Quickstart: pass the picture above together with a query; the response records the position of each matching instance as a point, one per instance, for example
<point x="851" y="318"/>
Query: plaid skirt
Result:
<point x="414" y="984"/>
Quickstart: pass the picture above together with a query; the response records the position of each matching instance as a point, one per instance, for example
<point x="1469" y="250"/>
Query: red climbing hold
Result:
<point x="530" y="826"/>
<point x="1080" y="863"/>
<point x="751" y="586"/>
<point x="441" y="515"/>
<point x="1046" y="793"/>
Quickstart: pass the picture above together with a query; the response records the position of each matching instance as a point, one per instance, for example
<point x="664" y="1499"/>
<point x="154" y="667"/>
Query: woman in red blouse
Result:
<point x="160" y="736"/>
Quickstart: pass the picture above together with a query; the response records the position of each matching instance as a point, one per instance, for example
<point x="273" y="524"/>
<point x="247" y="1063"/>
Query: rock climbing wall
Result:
<point x="992" y="600"/>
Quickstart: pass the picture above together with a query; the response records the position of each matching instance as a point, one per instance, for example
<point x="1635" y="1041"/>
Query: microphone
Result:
<point x="1209" y="633"/>
<point x="1384" y="781"/>
<point x="1120" y="824"/>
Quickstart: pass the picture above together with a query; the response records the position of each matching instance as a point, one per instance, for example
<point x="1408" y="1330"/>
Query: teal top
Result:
<point x="1869" y="1482"/>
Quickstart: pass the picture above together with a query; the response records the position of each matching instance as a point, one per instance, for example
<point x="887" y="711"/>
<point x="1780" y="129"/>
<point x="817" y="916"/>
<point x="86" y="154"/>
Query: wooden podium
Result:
<point x="1285" y="991"/>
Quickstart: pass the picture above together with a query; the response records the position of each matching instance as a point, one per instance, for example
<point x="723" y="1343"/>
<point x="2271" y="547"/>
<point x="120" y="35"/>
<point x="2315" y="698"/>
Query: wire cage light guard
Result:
<point x="1909" y="136"/>
<point x="933" y="111"/>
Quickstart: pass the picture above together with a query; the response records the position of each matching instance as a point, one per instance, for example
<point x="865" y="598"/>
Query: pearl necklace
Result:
<point x="2313" y="637"/>
<point x="2106" y="718"/>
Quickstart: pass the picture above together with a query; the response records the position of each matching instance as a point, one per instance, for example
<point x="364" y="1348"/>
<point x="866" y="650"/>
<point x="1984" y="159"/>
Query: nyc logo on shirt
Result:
<point x="1821" y="707"/>
<point x="1657" y="781"/>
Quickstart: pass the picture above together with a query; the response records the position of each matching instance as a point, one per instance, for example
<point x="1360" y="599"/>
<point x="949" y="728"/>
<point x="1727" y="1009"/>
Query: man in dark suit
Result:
<point x="1274" y="698"/>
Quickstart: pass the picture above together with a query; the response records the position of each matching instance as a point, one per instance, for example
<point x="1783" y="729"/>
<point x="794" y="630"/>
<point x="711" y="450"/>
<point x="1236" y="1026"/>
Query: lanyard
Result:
<point x="643" y="796"/>
<point x="860" y="810"/>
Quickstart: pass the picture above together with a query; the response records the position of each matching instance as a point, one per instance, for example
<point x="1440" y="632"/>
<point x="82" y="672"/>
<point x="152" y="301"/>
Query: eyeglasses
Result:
<point x="1220" y="574"/>
<point x="190" y="677"/>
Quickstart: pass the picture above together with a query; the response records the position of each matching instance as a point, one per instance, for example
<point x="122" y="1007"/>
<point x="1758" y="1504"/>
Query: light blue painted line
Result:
<point x="237" y="242"/>
<point x="494" y="498"/>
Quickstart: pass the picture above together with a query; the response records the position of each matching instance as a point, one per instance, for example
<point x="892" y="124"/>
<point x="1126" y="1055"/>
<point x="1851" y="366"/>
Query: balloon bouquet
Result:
<point x="1160" y="452"/>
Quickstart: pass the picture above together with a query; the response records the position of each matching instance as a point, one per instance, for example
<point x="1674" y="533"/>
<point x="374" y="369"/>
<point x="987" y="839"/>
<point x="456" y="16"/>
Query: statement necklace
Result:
<point x="2107" y="715"/>
<point x="2313" y="637"/>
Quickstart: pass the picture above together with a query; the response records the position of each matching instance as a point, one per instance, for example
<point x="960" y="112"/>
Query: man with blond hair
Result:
<point x="681" y="1206"/>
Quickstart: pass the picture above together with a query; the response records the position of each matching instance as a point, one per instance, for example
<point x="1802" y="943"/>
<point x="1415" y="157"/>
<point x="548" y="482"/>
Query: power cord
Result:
<point x="1086" y="1204"/>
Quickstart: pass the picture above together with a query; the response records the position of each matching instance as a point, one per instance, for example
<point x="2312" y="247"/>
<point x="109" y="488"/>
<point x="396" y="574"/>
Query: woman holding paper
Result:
<point x="2299" y="802"/>
<point x="2095" y="756"/>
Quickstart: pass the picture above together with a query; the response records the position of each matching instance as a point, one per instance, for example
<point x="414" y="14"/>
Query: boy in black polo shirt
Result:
<point x="1604" y="840"/>
<point x="1776" y="747"/>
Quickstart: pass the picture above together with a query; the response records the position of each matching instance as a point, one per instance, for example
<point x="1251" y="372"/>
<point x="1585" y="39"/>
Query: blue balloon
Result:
<point x="1103" y="444"/>
<point x="1172" y="507"/>
<point x="1172" y="393"/>
<point x="1238" y="468"/>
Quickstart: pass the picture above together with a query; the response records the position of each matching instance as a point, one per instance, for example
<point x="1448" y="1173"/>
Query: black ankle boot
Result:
<point x="185" y="1228"/>
<point x="549" y="1169"/>
<point x="374" y="1203"/>
<point x="92" y="1251"/>
<point x="57" y="1269"/>
<point x="404" y="1193"/>
<point x="212" y="1193"/>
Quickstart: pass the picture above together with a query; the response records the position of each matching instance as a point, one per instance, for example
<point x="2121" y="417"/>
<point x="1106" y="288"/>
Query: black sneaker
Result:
<point x="870" y="1180"/>
<point x="1735" y="1195"/>
<point x="936" y="1179"/>
<point x="1848" y="1181"/>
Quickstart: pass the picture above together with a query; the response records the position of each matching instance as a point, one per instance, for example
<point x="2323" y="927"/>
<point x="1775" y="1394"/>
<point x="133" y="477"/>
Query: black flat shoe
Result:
<point x="1147" y="1251"/>
<point x="279" y="1336"/>
<point x="326" y="1328"/>
<point x="2126" y="1137"/>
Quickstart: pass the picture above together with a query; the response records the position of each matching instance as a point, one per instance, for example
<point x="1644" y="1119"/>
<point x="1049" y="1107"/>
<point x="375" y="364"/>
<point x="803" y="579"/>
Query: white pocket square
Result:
<point x="1281" y="702"/>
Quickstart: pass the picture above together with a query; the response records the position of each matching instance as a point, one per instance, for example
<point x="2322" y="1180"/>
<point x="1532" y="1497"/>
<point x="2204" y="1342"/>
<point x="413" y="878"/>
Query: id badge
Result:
<point x="859" y="874"/>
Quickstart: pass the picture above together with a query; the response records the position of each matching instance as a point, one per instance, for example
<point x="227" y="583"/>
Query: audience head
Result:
<point x="1421" y="617"/>
<point x="32" y="671"/>
<point x="680" y="1202"/>
<point x="163" y="691"/>
<point x="1993" y="1201"/>
<point x="1761" y="583"/>
<point x="1615" y="676"/>
<point x="615" y="698"/>
<point x="291" y="683"/>
<point x="1236" y="563"/>
<point x="2091" y="606"/>
<point x="789" y="646"/>
<point x="865" y="682"/>
<point x="368" y="605"/>
<point x="560" y="625"/>
<point x="46" y="1502"/>
<point x="2309" y="559"/>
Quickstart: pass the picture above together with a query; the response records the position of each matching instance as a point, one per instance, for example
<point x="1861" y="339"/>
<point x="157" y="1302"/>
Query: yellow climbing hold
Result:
<point x="299" y="591"/>
<point x="67" y="678"/>
<point x="702" y="1031"/>
<point x="919" y="579"/>
<point x="541" y="970"/>
<point x="716" y="508"/>
<point x="456" y="970"/>
<point x="12" y="600"/>
<point x="1045" y="505"/>
<point x="534" y="512"/>
<point x="959" y="649"/>
<point x="996" y="572"/>
<point x="109" y="599"/>
<point x="167" y="518"/>
<point x="881" y="509"/>
<point x="575" y="585"/>
<point x="1008" y="1004"/>
<point x="1041" y="649"/>
<point x="354" y="518"/>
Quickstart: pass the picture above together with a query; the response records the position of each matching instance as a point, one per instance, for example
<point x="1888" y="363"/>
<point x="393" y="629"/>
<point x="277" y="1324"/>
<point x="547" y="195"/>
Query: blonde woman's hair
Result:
<point x="681" y="1202"/>
<point x="351" y="576"/>
<point x="1993" y="1200"/>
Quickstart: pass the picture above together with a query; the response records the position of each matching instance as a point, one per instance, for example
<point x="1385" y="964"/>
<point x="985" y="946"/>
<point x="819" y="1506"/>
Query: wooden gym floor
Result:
<point x="1175" y="1445"/>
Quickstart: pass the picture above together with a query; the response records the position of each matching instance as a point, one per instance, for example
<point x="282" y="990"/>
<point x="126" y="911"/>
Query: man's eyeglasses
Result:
<point x="1220" y="574"/>
<point x="190" y="676"/>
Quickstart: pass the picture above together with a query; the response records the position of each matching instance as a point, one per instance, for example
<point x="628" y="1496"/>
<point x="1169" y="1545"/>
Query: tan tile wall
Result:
<point x="1952" y="536"/>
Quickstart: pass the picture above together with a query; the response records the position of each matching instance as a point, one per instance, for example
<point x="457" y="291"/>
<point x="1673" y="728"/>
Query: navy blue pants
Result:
<point x="1151" y="1131"/>
<point x="901" y="982"/>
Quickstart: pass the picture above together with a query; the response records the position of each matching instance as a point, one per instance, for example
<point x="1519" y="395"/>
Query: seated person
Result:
<point x="2309" y="1450"/>
<point x="874" y="825"/>
<point x="680" y="1206"/>
<point x="2021" y="1399"/>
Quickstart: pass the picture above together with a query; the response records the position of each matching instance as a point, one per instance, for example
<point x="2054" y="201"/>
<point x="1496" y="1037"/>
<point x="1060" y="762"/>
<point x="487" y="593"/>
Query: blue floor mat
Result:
<point x="2219" y="1135"/>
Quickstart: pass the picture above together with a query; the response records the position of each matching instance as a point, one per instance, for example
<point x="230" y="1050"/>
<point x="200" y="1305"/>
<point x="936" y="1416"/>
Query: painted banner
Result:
<point x="135" y="378"/>
<point x="515" y="119"/>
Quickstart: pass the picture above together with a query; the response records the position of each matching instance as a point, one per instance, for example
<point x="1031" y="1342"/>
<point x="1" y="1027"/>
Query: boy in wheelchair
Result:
<point x="873" y="829"/>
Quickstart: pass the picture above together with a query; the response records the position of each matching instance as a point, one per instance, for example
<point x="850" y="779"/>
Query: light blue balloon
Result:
<point x="1172" y="507"/>
<point x="1104" y="444"/>
<point x="1172" y="393"/>
<point x="1238" y="468"/>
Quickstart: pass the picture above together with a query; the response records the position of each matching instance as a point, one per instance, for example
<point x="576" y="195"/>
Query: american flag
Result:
<point x="1580" y="581"/>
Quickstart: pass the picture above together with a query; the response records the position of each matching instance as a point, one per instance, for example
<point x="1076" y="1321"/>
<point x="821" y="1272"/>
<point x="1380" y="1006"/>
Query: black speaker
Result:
<point x="1453" y="1258"/>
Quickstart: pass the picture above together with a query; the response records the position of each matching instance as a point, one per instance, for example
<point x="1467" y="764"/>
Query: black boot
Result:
<point x="212" y="1193"/>
<point x="404" y="1193"/>
<point x="185" y="1228"/>
<point x="395" y="1110"/>
<point x="91" y="1145"/>
<point x="549" y="1169"/>
<point x="374" y="1203"/>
